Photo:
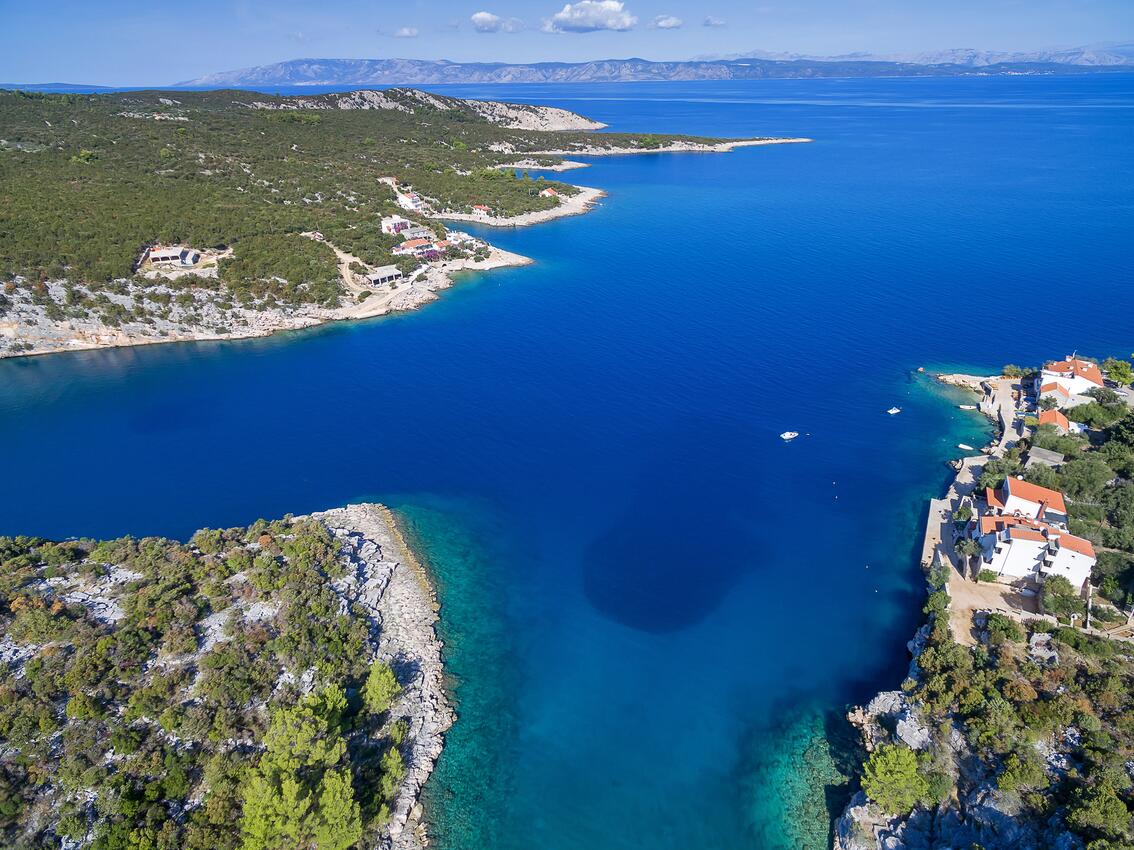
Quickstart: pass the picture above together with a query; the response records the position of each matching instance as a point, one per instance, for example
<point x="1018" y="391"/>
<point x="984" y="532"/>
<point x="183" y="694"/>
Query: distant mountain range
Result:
<point x="1108" y="54"/>
<point x="756" y="65"/>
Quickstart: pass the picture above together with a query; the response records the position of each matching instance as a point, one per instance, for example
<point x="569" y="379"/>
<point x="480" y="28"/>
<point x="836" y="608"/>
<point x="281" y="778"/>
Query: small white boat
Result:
<point x="967" y="406"/>
<point x="965" y="448"/>
<point x="894" y="410"/>
<point x="789" y="435"/>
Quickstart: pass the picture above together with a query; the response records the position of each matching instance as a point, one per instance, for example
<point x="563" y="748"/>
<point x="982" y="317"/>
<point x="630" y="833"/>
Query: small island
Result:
<point x="261" y="687"/>
<point x="1015" y="725"/>
<point x="146" y="217"/>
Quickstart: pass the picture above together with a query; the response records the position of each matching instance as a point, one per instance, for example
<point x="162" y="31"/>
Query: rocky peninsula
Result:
<point x="396" y="590"/>
<point x="179" y="690"/>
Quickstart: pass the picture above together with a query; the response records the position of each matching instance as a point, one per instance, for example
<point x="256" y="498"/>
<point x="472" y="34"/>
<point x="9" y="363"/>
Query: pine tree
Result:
<point x="381" y="688"/>
<point x="300" y="795"/>
<point x="339" y="821"/>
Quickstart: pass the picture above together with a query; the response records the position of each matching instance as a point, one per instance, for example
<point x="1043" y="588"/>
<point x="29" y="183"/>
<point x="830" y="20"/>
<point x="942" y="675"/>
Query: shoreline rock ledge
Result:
<point x="390" y="585"/>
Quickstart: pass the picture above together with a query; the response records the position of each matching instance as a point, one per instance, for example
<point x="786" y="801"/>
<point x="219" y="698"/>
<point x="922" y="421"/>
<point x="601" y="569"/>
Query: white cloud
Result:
<point x="711" y="21"/>
<point x="488" y="22"/>
<point x="406" y="32"/>
<point x="666" y="22"/>
<point x="591" y="16"/>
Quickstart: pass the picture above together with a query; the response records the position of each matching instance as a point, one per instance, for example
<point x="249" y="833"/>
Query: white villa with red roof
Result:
<point x="1068" y="381"/>
<point x="1019" y="498"/>
<point x="1017" y="546"/>
<point x="1061" y="423"/>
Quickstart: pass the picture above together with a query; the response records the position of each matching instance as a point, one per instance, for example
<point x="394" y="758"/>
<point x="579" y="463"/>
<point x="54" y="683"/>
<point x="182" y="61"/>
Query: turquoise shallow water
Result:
<point x="654" y="608"/>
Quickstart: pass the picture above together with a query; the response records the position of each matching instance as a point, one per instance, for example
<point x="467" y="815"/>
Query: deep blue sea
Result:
<point x="655" y="610"/>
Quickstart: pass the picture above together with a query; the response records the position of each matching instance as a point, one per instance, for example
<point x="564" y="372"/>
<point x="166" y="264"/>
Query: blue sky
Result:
<point x="128" y="42"/>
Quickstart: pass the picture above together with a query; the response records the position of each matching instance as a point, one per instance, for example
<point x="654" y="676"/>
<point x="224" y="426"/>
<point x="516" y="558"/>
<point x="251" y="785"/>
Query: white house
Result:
<point x="384" y="275"/>
<point x="1071" y="557"/>
<point x="411" y="201"/>
<point x="392" y="224"/>
<point x="416" y="231"/>
<point x="174" y="254"/>
<point x="416" y="247"/>
<point x="1076" y="376"/>
<point x="1062" y="396"/>
<point x="1060" y="422"/>
<point x="1017" y="548"/>
<point x="459" y="237"/>
<point x="1015" y="552"/>
<point x="1055" y="419"/>
<point x="549" y="193"/>
<point x="1017" y="497"/>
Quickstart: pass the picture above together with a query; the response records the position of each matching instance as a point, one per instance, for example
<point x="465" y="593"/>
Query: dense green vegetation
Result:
<point x="130" y="719"/>
<point x="87" y="180"/>
<point x="892" y="779"/>
<point x="287" y="267"/>
<point x="1054" y="737"/>
<point x="1098" y="480"/>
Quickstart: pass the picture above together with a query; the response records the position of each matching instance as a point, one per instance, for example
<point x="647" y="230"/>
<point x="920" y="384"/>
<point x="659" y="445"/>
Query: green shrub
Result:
<point x="1002" y="628"/>
<point x="890" y="778"/>
<point x="381" y="688"/>
<point x="1095" y="647"/>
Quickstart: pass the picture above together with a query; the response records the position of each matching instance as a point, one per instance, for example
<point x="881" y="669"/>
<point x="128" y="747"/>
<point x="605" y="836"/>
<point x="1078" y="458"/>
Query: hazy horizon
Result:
<point x="127" y="43"/>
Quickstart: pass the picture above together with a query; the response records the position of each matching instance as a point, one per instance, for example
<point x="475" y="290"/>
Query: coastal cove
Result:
<point x="652" y="607"/>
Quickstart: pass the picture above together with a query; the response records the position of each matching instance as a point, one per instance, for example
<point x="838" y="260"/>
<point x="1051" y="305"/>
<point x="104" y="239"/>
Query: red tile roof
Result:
<point x="1079" y="368"/>
<point x="1077" y="544"/>
<point x="1054" y="388"/>
<point x="415" y="243"/>
<point x="1034" y="493"/>
<point x="993" y="498"/>
<point x="1020" y="532"/>
<point x="1054" y="417"/>
<point x="990" y="523"/>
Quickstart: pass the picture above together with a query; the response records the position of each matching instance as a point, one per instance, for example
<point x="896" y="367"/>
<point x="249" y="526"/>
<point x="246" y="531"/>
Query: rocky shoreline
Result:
<point x="576" y="204"/>
<point x="29" y="325"/>
<point x="674" y="147"/>
<point x="893" y="715"/>
<point x="37" y="325"/>
<point x="392" y="586"/>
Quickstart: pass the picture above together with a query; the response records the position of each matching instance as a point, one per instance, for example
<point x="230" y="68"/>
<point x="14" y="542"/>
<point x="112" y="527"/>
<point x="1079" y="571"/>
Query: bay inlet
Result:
<point x="652" y="606"/>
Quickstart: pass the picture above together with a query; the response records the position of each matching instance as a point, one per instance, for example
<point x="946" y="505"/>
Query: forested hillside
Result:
<point x="87" y="180"/>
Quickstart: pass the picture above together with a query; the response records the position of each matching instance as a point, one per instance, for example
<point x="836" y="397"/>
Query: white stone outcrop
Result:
<point x="388" y="583"/>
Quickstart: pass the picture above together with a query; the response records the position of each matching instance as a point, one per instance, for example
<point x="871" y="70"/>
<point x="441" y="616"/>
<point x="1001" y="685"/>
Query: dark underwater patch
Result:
<point x="662" y="571"/>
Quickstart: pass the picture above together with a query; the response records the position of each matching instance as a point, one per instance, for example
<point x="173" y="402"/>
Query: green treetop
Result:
<point x="381" y="688"/>
<point x="1119" y="371"/>
<point x="891" y="779"/>
<point x="300" y="796"/>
